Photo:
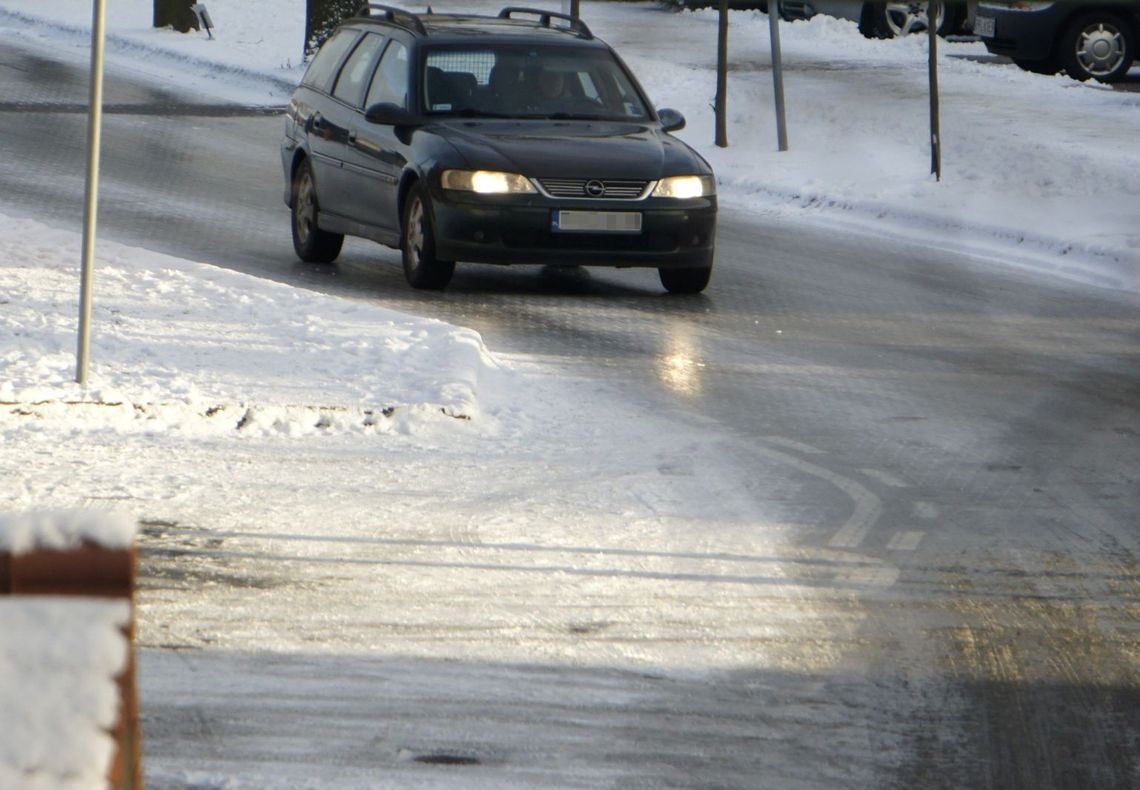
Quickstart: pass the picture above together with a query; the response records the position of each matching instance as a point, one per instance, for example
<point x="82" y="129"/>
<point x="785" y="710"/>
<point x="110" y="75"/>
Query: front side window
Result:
<point x="390" y="83"/>
<point x="354" y="76"/>
<point x="513" y="81"/>
<point x="321" y="70"/>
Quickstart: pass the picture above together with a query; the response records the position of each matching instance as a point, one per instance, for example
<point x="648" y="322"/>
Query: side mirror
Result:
<point x="671" y="120"/>
<point x="388" y="114"/>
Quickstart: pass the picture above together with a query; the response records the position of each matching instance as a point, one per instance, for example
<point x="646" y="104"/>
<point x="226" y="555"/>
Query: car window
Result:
<point x="519" y="81"/>
<point x="390" y="83"/>
<point x="354" y="75"/>
<point x="321" y="70"/>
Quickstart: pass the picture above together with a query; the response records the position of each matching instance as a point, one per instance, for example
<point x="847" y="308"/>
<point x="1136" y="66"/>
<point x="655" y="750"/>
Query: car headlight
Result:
<point x="685" y="187"/>
<point x="486" y="182"/>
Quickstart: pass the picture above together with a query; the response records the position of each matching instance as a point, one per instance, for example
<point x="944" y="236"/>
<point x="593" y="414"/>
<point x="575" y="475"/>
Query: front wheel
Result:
<point x="685" y="281"/>
<point x="1097" y="46"/>
<point x="311" y="244"/>
<point x="421" y="268"/>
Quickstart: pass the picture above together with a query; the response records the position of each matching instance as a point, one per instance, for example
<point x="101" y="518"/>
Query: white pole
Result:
<point x="91" y="208"/>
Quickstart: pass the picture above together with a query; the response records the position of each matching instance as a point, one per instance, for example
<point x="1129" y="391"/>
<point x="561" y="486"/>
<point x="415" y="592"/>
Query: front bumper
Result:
<point x="505" y="230"/>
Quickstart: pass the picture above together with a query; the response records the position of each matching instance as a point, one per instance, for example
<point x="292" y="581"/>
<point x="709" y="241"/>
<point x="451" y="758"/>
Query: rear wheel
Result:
<point x="1097" y="46"/>
<point x="311" y="244"/>
<point x="894" y="19"/>
<point x="421" y="268"/>
<point x="685" y="281"/>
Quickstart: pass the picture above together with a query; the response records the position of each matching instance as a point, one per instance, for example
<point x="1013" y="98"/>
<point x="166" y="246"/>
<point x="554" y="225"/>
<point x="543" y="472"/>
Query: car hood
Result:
<point x="591" y="149"/>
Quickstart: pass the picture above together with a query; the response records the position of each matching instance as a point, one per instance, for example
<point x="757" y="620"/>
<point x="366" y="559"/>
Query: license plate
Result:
<point x="595" y="221"/>
<point x="984" y="26"/>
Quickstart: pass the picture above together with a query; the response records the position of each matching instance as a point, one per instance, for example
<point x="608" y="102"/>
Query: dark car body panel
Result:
<point x="363" y="170"/>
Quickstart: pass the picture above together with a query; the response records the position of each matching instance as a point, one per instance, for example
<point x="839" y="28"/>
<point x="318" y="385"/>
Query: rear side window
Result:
<point x="357" y="69"/>
<point x="321" y="70"/>
<point x="391" y="81"/>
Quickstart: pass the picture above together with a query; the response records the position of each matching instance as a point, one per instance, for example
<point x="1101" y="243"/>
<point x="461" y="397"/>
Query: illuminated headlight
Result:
<point x="685" y="187"/>
<point x="486" y="182"/>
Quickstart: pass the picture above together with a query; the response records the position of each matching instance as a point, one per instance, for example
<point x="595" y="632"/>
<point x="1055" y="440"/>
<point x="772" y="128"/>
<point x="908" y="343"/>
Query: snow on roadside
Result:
<point x="195" y="348"/>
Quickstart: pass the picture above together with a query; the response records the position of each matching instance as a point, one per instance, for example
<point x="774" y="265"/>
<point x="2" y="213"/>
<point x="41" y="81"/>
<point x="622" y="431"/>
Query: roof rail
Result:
<point x="577" y="26"/>
<point x="397" y="16"/>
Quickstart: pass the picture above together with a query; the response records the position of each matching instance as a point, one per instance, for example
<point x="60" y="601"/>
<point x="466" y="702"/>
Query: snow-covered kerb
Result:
<point x="61" y="530"/>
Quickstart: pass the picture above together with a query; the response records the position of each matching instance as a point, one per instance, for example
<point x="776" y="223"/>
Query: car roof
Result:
<point x="513" y="23"/>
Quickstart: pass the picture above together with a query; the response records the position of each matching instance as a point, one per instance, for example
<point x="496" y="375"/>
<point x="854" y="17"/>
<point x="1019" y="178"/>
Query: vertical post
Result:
<point x="91" y="206"/>
<point x="722" y="77"/>
<point x="935" y="119"/>
<point x="777" y="74"/>
<point x="575" y="9"/>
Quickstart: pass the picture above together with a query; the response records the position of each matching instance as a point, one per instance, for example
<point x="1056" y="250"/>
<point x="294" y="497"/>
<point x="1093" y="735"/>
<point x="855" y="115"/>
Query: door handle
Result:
<point x="352" y="137"/>
<point x="318" y="121"/>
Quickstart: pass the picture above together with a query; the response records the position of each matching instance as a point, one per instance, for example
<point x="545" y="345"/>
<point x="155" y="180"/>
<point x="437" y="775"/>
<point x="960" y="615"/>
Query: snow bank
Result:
<point x="174" y="343"/>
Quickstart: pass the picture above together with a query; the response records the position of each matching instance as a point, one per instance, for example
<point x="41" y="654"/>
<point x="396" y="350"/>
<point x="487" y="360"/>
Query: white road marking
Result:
<point x="868" y="508"/>
<point x="886" y="477"/>
<point x="905" y="541"/>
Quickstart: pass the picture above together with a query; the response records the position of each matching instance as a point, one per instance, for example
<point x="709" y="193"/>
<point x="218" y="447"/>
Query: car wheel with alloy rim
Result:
<point x="421" y="268"/>
<point x="895" y="19"/>
<point x="311" y="244"/>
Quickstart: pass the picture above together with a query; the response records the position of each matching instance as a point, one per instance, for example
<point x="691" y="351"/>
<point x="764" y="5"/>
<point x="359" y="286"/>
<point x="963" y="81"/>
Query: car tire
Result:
<point x="311" y="244"/>
<point x="892" y="19"/>
<point x="1097" y="45"/>
<point x="1048" y="67"/>
<point x="421" y="268"/>
<point x="690" y="280"/>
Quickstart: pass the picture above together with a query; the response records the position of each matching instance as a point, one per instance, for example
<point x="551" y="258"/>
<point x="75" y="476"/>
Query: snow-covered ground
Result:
<point x="329" y="441"/>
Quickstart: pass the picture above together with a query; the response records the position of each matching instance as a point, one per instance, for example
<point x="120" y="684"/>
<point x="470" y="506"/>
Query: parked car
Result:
<point x="886" y="19"/>
<point x="1093" y="39"/>
<point x="516" y="138"/>
<point x="876" y="18"/>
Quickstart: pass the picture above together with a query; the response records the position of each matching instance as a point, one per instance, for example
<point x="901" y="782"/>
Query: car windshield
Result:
<point x="511" y="81"/>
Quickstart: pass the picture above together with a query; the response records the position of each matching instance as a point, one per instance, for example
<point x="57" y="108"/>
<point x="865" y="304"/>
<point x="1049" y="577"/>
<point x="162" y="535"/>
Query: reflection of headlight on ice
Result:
<point x="685" y="187"/>
<point x="486" y="182"/>
<point x="680" y="369"/>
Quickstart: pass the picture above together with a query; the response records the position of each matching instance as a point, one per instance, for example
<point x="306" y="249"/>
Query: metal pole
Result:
<point x="778" y="74"/>
<point x="721" y="103"/>
<point x="90" y="210"/>
<point x="935" y="119"/>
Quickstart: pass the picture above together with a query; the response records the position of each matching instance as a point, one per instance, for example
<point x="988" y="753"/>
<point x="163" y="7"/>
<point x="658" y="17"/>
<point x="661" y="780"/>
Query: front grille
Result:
<point x="615" y="189"/>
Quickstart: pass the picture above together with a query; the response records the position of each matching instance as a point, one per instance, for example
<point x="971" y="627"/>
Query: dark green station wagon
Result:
<point x="516" y="138"/>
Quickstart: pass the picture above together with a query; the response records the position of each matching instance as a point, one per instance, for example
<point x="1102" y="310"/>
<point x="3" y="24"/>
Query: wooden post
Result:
<point x="721" y="107"/>
<point x="935" y="113"/>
